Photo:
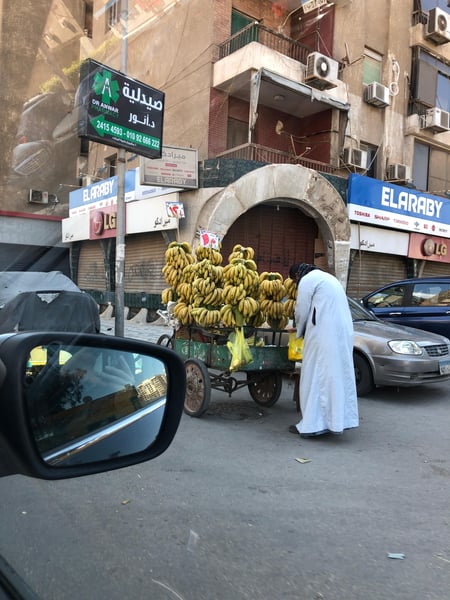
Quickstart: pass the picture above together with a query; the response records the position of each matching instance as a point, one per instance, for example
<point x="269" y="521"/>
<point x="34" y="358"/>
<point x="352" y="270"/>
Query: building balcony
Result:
<point x="262" y="154"/>
<point x="257" y="58"/>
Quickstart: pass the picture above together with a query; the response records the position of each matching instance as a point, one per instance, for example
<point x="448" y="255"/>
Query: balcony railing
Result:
<point x="267" y="37"/>
<point x="271" y="156"/>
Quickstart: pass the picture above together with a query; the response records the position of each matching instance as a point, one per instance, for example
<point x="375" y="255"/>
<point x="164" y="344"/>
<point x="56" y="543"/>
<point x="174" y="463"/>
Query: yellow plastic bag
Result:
<point x="295" y="348"/>
<point x="239" y="349"/>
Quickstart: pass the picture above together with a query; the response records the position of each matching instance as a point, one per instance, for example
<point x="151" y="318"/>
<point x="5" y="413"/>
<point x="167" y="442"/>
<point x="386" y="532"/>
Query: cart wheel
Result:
<point x="198" y="388"/>
<point x="266" y="390"/>
<point x="165" y="340"/>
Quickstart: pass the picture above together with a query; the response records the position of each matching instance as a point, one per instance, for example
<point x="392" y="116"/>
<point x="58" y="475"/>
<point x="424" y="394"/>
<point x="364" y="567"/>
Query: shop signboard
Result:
<point x="119" y="111"/>
<point x="395" y="207"/>
<point x="177" y="167"/>
<point x="100" y="194"/>
<point x="429" y="247"/>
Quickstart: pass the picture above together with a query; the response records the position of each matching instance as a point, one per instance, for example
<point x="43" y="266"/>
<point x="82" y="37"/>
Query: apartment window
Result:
<point x="431" y="169"/>
<point x="111" y="165"/>
<point x="239" y="21"/>
<point x="112" y="13"/>
<point x="88" y="17"/>
<point x="372" y="152"/>
<point x="372" y="63"/>
<point x="237" y="133"/>
<point x="431" y="80"/>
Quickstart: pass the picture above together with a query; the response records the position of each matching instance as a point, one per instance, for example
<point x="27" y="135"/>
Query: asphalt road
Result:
<point x="229" y="513"/>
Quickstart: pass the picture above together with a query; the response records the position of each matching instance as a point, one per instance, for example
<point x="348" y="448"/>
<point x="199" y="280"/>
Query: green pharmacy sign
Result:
<point x="120" y="111"/>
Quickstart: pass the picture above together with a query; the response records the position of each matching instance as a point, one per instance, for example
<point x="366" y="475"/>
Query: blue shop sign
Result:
<point x="101" y="193"/>
<point x="389" y="205"/>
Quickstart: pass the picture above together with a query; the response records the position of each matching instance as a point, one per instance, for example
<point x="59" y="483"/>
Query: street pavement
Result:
<point x="148" y="332"/>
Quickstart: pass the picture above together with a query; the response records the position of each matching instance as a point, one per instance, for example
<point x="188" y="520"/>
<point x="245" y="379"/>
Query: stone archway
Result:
<point x="294" y="185"/>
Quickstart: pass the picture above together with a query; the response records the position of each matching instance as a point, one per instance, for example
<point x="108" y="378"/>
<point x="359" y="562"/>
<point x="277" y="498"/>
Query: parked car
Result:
<point x="422" y="302"/>
<point x="33" y="300"/>
<point x="389" y="354"/>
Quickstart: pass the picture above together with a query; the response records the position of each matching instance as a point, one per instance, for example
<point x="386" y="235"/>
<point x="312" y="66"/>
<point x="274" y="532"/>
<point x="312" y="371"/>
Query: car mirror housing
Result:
<point x="75" y="404"/>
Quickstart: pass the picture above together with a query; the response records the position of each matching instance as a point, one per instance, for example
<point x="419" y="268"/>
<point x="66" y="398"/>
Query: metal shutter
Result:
<point x="436" y="269"/>
<point x="144" y="260"/>
<point x="371" y="270"/>
<point x="91" y="266"/>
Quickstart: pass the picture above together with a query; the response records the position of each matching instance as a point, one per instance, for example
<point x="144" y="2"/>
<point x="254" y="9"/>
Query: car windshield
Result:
<point x="359" y="313"/>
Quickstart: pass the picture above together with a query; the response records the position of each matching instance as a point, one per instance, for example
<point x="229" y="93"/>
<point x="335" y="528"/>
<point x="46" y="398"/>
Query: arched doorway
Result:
<point x="279" y="234"/>
<point x="294" y="186"/>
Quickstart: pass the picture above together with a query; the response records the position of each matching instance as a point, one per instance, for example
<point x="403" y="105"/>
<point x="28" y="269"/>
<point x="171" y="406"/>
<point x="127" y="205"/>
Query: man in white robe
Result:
<point x="328" y="398"/>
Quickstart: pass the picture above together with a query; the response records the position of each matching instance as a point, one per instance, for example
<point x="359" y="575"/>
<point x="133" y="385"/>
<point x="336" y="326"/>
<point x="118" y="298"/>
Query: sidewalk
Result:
<point x="148" y="332"/>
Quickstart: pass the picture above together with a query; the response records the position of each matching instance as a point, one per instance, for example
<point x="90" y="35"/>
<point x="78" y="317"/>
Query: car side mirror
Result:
<point x="76" y="404"/>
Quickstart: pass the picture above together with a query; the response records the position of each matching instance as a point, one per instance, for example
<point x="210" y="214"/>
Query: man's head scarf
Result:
<point x="300" y="270"/>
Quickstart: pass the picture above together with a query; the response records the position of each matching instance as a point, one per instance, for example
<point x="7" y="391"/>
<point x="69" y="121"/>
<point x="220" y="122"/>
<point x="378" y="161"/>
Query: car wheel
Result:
<point x="363" y="375"/>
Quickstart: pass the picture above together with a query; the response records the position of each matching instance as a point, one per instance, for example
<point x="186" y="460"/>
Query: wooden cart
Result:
<point x="207" y="360"/>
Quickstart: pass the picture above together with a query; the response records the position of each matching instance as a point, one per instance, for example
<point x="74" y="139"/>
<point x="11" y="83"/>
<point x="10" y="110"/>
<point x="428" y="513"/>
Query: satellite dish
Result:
<point x="279" y="127"/>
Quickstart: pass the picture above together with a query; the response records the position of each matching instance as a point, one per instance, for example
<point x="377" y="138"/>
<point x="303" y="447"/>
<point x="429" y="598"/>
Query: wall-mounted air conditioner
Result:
<point x="37" y="197"/>
<point x="354" y="157"/>
<point x="86" y="180"/>
<point x="377" y="94"/>
<point x="398" y="172"/>
<point x="437" y="120"/>
<point x="438" y="26"/>
<point x="321" y="71"/>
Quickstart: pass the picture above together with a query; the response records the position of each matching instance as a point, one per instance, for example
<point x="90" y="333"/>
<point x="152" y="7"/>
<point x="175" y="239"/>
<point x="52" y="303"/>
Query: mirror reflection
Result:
<point x="87" y="403"/>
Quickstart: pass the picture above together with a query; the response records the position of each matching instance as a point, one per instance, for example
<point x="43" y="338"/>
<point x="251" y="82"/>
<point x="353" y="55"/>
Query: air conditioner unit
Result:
<point x="438" y="26"/>
<point x="397" y="172"/>
<point x="86" y="180"/>
<point x="377" y="94"/>
<point x="38" y="197"/>
<point x="321" y="71"/>
<point x="354" y="157"/>
<point x="437" y="120"/>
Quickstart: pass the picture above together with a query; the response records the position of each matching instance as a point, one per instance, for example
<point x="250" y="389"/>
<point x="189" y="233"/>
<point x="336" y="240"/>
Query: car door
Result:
<point x="389" y="302"/>
<point x="428" y="307"/>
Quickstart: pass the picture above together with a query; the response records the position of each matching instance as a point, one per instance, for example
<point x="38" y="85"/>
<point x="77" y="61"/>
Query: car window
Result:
<point x="359" y="313"/>
<point x="431" y="294"/>
<point x="391" y="296"/>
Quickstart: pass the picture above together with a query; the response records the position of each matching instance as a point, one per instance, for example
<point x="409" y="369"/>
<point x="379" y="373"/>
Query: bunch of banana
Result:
<point x="291" y="288"/>
<point x="272" y="292"/>
<point x="189" y="273"/>
<point x="291" y="293"/>
<point x="228" y="315"/>
<point x="246" y="253"/>
<point x="257" y="320"/>
<point x="242" y="271"/>
<point x="169" y="295"/>
<point x="289" y="308"/>
<point x="233" y="294"/>
<point x="271" y="286"/>
<point x="205" y="293"/>
<point x="178" y="256"/>
<point x="248" y="307"/>
<point x="211" y="254"/>
<point x="183" y="312"/>
<point x="184" y="291"/>
<point x="206" y="317"/>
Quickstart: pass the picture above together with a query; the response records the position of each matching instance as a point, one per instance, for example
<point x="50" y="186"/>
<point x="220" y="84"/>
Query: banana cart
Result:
<point x="207" y="361"/>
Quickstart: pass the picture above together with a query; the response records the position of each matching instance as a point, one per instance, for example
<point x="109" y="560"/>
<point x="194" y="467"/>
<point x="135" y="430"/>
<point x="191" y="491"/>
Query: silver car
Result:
<point x="395" y="355"/>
